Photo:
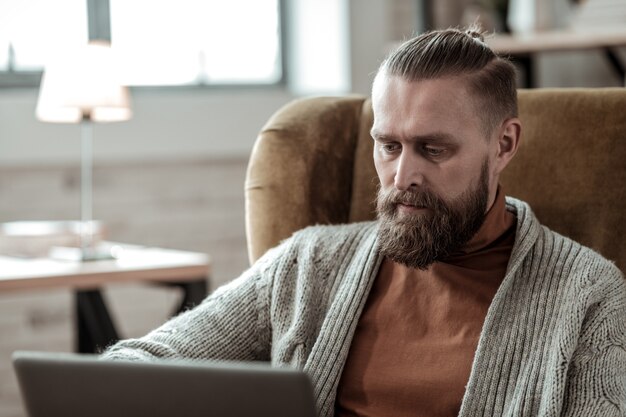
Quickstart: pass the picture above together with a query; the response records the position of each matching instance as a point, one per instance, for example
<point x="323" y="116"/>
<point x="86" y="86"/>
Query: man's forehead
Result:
<point x="440" y="99"/>
<point x="424" y="108"/>
<point x="387" y="86"/>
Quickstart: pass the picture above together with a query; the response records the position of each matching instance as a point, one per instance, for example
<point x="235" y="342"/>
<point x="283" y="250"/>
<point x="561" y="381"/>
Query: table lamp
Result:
<point x="81" y="86"/>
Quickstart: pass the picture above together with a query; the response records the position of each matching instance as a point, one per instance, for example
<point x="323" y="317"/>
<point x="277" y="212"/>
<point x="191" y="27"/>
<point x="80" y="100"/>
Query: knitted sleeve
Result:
<point x="597" y="375"/>
<point x="230" y="324"/>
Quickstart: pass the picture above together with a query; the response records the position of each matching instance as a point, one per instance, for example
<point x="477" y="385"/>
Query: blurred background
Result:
<point x="204" y="76"/>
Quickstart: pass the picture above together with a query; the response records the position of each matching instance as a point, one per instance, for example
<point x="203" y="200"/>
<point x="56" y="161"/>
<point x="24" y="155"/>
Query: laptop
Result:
<point x="66" y="384"/>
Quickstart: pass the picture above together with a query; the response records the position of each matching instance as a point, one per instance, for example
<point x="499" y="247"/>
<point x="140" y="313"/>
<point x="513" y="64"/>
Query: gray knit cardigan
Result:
<point x="553" y="342"/>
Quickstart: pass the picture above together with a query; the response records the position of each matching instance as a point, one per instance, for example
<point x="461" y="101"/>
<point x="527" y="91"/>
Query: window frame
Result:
<point x="99" y="28"/>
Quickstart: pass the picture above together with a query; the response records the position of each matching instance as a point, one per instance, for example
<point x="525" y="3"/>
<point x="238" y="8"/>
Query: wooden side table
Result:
<point x="522" y="48"/>
<point x="94" y="327"/>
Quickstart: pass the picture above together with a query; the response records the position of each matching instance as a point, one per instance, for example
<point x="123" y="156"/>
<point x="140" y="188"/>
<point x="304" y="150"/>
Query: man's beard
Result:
<point x="416" y="240"/>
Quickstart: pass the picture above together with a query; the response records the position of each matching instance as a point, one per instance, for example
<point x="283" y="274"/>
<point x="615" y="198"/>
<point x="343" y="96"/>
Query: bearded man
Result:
<point x="457" y="301"/>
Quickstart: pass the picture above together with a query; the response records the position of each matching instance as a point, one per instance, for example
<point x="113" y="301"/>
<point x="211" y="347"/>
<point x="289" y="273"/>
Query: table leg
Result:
<point x="95" y="328"/>
<point x="193" y="294"/>
<point x="616" y="63"/>
<point x="528" y="69"/>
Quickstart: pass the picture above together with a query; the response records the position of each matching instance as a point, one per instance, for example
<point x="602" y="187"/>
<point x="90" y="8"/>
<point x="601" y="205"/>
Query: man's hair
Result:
<point x="455" y="52"/>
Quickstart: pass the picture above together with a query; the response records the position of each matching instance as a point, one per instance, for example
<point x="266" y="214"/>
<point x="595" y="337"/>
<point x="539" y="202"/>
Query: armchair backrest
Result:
<point x="312" y="164"/>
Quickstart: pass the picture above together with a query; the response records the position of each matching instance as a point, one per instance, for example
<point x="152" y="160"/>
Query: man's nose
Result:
<point x="408" y="171"/>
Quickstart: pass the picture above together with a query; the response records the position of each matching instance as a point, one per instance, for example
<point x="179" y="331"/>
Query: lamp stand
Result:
<point x="86" y="167"/>
<point x="89" y="248"/>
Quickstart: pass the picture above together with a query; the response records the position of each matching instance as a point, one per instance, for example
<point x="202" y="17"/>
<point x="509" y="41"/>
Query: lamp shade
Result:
<point x="83" y="83"/>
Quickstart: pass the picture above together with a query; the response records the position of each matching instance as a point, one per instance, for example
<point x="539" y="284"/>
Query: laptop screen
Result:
<point x="63" y="384"/>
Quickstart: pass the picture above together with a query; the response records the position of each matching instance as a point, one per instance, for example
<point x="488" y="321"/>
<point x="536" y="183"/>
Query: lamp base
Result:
<point x="37" y="239"/>
<point x="101" y="252"/>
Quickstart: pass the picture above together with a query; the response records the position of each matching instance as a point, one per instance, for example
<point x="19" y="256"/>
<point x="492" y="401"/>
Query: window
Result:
<point x="159" y="42"/>
<point x="30" y="29"/>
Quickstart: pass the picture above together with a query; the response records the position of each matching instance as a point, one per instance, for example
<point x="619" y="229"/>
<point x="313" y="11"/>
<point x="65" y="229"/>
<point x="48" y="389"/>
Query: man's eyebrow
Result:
<point x="374" y="133"/>
<point x="435" y="137"/>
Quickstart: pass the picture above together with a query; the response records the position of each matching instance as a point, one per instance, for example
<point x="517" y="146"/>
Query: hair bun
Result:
<point x="476" y="32"/>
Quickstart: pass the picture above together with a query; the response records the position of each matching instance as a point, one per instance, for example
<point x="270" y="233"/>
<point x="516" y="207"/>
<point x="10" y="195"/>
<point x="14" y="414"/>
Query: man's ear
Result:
<point x="508" y="139"/>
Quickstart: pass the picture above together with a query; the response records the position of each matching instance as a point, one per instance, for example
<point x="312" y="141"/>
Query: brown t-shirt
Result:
<point x="415" y="341"/>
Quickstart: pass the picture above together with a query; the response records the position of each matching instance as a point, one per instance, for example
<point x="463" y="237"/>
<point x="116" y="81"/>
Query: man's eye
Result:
<point x="389" y="147"/>
<point x="430" y="151"/>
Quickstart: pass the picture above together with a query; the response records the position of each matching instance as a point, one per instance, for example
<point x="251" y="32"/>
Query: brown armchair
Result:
<point x="312" y="164"/>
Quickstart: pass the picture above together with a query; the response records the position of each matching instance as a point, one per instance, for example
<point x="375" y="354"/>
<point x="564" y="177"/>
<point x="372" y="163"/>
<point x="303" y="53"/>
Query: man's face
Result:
<point x="433" y="161"/>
